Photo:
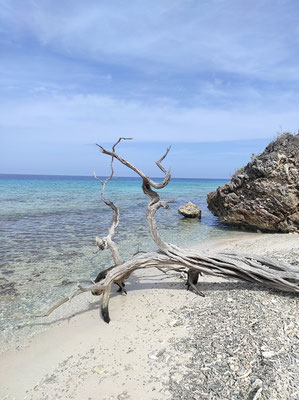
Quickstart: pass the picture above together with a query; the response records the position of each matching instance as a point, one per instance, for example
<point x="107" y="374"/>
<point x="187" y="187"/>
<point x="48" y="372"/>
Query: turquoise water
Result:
<point x="48" y="225"/>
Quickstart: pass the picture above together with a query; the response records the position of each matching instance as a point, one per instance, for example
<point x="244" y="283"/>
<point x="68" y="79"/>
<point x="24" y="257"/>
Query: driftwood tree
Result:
<point x="246" y="267"/>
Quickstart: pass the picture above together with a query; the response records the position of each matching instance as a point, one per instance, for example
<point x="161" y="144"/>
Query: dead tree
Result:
<point x="246" y="267"/>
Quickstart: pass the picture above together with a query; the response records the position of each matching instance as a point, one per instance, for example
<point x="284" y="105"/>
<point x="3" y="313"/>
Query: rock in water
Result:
<point x="265" y="193"/>
<point x="190" y="210"/>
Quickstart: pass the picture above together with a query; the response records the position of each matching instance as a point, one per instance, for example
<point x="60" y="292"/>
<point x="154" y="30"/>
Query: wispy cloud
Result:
<point x="81" y="118"/>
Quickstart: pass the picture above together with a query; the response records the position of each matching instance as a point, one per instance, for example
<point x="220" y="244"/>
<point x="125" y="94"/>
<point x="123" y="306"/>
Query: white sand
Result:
<point x="83" y="358"/>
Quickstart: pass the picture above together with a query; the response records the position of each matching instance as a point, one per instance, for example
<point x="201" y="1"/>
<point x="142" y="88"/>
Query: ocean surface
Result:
<point x="48" y="226"/>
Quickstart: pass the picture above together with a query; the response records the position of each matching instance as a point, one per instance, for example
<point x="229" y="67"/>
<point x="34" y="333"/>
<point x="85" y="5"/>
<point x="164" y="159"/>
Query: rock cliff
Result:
<point x="265" y="193"/>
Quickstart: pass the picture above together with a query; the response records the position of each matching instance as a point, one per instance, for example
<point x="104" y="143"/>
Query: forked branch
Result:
<point x="154" y="184"/>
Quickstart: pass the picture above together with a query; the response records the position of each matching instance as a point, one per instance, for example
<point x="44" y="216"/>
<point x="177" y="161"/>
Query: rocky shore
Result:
<point x="239" y="342"/>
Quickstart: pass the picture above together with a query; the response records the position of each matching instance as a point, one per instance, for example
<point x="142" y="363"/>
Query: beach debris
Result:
<point x="190" y="210"/>
<point x="152" y="355"/>
<point x="263" y="194"/>
<point x="169" y="257"/>
<point x="220" y="339"/>
<point x="160" y="356"/>
<point x="99" y="370"/>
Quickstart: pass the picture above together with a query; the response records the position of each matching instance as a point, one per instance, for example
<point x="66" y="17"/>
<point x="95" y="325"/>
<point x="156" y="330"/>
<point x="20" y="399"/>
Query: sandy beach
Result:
<point x="239" y="342"/>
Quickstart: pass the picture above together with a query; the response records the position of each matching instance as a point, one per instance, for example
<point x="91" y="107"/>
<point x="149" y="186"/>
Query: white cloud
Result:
<point x="92" y="118"/>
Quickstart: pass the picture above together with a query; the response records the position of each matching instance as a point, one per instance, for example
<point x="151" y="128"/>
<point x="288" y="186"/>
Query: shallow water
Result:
<point x="48" y="225"/>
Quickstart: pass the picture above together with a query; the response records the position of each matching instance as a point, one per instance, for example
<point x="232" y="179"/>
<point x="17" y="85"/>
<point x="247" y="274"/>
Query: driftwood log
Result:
<point x="246" y="267"/>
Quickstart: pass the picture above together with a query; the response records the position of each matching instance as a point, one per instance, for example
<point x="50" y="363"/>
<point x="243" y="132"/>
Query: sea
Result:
<point x="48" y="226"/>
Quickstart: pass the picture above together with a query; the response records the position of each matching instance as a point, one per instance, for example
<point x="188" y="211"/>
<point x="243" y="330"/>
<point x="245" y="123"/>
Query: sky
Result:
<point x="216" y="79"/>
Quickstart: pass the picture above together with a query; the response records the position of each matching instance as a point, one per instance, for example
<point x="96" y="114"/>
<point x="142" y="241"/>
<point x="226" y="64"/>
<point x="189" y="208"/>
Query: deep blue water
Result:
<point x="48" y="225"/>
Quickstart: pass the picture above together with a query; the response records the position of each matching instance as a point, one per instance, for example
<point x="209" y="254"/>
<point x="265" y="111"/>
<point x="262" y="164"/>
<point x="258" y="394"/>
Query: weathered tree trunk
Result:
<point x="250" y="268"/>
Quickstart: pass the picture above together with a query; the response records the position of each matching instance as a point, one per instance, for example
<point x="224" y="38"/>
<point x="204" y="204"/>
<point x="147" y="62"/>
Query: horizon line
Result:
<point x="103" y="176"/>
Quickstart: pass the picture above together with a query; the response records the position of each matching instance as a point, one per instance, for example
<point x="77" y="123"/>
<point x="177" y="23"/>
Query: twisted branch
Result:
<point x="107" y="241"/>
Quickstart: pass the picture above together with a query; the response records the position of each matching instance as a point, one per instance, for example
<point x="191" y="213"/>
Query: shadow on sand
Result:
<point x="147" y="283"/>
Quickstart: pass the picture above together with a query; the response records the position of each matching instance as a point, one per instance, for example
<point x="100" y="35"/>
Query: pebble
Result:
<point x="268" y="354"/>
<point x="98" y="370"/>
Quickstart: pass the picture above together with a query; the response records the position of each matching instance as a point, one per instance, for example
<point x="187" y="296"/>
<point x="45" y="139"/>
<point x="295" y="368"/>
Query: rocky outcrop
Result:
<point x="265" y="193"/>
<point x="190" y="210"/>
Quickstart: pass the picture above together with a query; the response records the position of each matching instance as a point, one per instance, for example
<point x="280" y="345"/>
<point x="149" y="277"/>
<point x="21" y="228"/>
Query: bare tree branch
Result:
<point x="158" y="163"/>
<point x="107" y="241"/>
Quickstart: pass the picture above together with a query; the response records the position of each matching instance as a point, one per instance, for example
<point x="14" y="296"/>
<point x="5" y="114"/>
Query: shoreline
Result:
<point x="136" y="355"/>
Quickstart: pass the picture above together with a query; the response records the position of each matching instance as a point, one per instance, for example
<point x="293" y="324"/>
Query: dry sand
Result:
<point x="78" y="356"/>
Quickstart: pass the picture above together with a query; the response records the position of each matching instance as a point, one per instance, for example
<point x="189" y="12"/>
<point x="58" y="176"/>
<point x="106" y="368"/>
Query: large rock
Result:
<point x="265" y="193"/>
<point x="190" y="210"/>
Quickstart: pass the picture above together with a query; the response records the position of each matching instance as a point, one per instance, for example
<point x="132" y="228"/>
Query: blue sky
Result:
<point x="218" y="79"/>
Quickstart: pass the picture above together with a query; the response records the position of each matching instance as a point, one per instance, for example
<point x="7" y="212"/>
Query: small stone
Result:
<point x="152" y="355"/>
<point x="257" y="383"/>
<point x="167" y="358"/>
<point x="98" y="370"/>
<point x="234" y="367"/>
<point x="268" y="354"/>
<point x="190" y="210"/>
<point x="175" y="323"/>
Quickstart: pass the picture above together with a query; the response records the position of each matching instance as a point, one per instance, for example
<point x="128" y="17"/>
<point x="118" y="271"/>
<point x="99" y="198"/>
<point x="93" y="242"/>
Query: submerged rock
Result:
<point x="190" y="210"/>
<point x="265" y="193"/>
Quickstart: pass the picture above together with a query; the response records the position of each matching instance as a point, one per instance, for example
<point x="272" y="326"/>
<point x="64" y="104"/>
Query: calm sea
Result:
<point x="48" y="225"/>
